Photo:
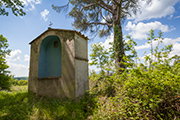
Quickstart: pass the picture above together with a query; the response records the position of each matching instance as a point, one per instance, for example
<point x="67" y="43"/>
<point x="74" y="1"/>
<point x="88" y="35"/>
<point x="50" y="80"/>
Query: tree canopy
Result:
<point x="99" y="15"/>
<point x="103" y="17"/>
<point x="15" y="5"/>
<point x="99" y="56"/>
<point x="4" y="51"/>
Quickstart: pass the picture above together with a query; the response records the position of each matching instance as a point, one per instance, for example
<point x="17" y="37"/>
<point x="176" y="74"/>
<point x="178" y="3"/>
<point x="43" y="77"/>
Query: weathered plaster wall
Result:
<point x="50" y="87"/>
<point x="63" y="86"/>
<point x="81" y="66"/>
<point x="81" y="50"/>
<point x="33" y="72"/>
<point x="81" y="76"/>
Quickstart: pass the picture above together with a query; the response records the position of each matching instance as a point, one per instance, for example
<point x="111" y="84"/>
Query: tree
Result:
<point x="4" y="77"/>
<point x="102" y="16"/>
<point x="99" y="56"/>
<point x="15" y="5"/>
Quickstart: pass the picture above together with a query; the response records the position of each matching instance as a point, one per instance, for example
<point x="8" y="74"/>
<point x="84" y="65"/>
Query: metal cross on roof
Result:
<point x="50" y="24"/>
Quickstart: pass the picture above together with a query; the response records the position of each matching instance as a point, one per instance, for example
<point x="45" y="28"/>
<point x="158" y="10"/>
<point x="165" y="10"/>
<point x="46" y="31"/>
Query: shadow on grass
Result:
<point x="24" y="105"/>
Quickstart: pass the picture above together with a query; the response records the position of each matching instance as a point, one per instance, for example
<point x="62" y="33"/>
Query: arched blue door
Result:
<point x="50" y="57"/>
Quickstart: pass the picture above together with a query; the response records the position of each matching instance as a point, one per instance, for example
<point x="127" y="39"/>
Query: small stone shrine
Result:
<point x="59" y="64"/>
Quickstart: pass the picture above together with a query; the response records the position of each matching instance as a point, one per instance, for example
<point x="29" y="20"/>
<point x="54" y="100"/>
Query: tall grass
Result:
<point x="18" y="104"/>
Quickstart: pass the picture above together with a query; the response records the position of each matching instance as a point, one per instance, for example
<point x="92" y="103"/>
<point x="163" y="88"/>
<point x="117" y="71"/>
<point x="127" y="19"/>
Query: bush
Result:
<point x="149" y="90"/>
<point x="151" y="95"/>
<point x="5" y="82"/>
<point x="4" y="74"/>
<point x="19" y="82"/>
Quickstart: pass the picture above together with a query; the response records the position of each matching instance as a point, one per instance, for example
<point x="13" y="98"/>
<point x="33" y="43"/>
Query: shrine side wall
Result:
<point x="81" y="66"/>
<point x="82" y="77"/>
<point x="81" y="50"/>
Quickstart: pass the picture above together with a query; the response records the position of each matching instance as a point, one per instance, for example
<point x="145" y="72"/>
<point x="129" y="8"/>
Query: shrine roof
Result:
<point x="52" y="29"/>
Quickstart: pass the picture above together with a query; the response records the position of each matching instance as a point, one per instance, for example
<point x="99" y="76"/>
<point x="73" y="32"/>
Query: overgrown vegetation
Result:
<point x="148" y="89"/>
<point x="103" y="17"/>
<point x="18" y="104"/>
<point x="145" y="90"/>
<point x="19" y="82"/>
<point x="5" y="82"/>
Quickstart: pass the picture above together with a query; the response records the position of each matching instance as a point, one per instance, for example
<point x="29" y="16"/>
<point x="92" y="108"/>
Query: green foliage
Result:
<point x="105" y="58"/>
<point x="129" y="46"/>
<point x="5" y="82"/>
<point x="103" y="17"/>
<point x="99" y="56"/>
<point x="4" y="51"/>
<point x="99" y="15"/>
<point x="20" y="105"/>
<point x="151" y="94"/>
<point x="19" y="82"/>
<point x="149" y="90"/>
<point x="143" y="91"/>
<point x="15" y="5"/>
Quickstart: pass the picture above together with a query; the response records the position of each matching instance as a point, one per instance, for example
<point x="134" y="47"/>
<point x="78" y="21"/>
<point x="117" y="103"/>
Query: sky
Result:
<point x="161" y="15"/>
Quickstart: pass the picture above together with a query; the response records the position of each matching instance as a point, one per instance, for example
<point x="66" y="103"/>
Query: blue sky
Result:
<point x="161" y="15"/>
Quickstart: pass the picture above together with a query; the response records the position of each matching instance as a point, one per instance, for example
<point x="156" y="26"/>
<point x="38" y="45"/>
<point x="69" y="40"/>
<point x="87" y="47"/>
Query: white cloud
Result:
<point x="166" y="41"/>
<point x="14" y="55"/>
<point x="15" y="63"/>
<point x="30" y="4"/>
<point x="157" y="9"/>
<point x="140" y="30"/>
<point x="94" y="68"/>
<point x="172" y="28"/>
<point x="44" y="14"/>
<point x="109" y="39"/>
<point x="177" y="17"/>
<point x="18" y="70"/>
<point x="106" y="18"/>
<point x="146" y="45"/>
<point x="176" y="50"/>
<point x="170" y="17"/>
<point x="176" y="45"/>
<point x="26" y="57"/>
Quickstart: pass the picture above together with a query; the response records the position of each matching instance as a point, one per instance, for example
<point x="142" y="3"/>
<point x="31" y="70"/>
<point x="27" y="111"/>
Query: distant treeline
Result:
<point x="21" y="78"/>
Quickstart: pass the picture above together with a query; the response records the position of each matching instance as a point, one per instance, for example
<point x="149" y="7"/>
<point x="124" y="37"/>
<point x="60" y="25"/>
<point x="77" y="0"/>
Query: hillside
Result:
<point x="21" y="78"/>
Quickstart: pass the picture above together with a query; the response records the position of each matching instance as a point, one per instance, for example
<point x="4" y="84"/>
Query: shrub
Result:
<point x="5" y="82"/>
<point x="149" y="90"/>
<point x="151" y="95"/>
<point x="19" y="82"/>
<point x="4" y="74"/>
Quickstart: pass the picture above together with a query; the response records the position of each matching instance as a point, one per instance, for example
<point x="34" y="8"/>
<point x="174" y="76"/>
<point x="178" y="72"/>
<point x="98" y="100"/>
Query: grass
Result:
<point x="108" y="98"/>
<point x="18" y="104"/>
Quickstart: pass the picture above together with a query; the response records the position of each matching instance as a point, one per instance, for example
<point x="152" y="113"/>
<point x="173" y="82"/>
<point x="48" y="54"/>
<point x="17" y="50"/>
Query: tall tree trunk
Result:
<point x="118" y="37"/>
<point x="118" y="47"/>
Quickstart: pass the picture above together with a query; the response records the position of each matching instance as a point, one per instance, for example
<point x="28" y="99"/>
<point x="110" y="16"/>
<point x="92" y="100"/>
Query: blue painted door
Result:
<point x="50" y="57"/>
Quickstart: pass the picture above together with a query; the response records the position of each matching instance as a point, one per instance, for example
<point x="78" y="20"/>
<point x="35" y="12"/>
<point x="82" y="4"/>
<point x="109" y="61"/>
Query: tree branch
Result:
<point x="88" y="6"/>
<point x="99" y="23"/>
<point x="104" y="17"/>
<point x="116" y="2"/>
<point x="61" y="8"/>
<point x="105" y="6"/>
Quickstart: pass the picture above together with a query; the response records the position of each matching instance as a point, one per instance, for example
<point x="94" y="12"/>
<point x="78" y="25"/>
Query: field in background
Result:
<point x="21" y="78"/>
